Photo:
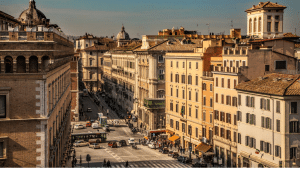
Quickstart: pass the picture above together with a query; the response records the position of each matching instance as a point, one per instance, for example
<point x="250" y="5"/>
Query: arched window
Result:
<point x="33" y="64"/>
<point x="8" y="62"/>
<point x="255" y="23"/>
<point x="21" y="64"/>
<point x="45" y="62"/>
<point x="170" y="33"/>
<point x="259" y="24"/>
<point x="250" y="25"/>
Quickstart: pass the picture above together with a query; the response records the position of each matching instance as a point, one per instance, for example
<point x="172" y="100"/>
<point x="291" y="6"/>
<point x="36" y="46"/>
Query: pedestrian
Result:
<point x="108" y="164"/>
<point x="139" y="141"/>
<point x="183" y="150"/>
<point x="104" y="163"/>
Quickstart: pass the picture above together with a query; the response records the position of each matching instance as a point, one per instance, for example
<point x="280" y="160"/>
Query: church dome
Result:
<point x="32" y="15"/>
<point x="123" y="35"/>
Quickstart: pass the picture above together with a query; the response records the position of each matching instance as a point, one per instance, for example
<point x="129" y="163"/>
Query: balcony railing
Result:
<point x="158" y="103"/>
<point x="226" y="69"/>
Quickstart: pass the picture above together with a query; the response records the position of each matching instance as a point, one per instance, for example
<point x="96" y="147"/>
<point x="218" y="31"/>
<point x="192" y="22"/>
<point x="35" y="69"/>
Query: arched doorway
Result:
<point x="45" y="62"/>
<point x="21" y="64"/>
<point x="8" y="62"/>
<point x="33" y="64"/>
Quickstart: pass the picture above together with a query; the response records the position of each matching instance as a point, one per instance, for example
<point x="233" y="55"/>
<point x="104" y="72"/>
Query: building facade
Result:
<point x="35" y="97"/>
<point x="268" y="106"/>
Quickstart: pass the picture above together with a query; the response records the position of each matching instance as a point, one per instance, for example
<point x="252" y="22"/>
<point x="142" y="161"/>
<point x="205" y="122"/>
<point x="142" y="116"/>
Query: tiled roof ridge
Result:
<point x="285" y="90"/>
<point x="158" y="44"/>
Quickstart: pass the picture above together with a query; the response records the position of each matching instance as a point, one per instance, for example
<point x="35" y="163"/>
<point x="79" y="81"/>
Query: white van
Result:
<point x="95" y="125"/>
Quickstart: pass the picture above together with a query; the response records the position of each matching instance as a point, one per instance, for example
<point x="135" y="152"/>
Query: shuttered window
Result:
<point x="2" y="106"/>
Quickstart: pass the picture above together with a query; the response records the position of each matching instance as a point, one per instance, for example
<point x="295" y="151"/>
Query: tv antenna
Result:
<point x="231" y="23"/>
<point x="208" y="27"/>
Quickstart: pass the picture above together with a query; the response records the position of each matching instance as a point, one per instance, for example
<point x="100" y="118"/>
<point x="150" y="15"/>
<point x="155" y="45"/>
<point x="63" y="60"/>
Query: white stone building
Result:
<point x="268" y="121"/>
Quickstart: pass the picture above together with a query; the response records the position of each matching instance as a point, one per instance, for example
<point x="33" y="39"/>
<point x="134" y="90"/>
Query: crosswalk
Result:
<point x="152" y="164"/>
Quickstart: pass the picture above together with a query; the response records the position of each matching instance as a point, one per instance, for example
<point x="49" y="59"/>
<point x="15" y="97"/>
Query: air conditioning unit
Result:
<point x="204" y="140"/>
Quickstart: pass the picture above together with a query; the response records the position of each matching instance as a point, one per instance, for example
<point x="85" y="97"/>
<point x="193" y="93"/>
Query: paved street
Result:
<point x="143" y="157"/>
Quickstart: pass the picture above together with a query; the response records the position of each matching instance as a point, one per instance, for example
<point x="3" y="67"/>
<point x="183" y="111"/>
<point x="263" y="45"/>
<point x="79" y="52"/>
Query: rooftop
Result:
<point x="273" y="84"/>
<point x="263" y="5"/>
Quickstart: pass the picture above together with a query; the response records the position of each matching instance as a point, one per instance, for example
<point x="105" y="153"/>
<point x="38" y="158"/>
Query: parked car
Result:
<point x="131" y="141"/>
<point x="95" y="125"/>
<point x="160" y="149"/>
<point x="184" y="159"/>
<point x="94" y="145"/>
<point x="122" y="143"/>
<point x="88" y="124"/>
<point x="78" y="126"/>
<point x="112" y="144"/>
<point x="89" y="110"/>
<point x="80" y="143"/>
<point x="165" y="151"/>
<point x="152" y="145"/>
<point x="199" y="165"/>
<point x="95" y="140"/>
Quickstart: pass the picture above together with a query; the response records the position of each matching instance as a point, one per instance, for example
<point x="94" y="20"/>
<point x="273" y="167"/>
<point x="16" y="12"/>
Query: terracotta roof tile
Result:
<point x="268" y="4"/>
<point x="289" y="34"/>
<point x="273" y="84"/>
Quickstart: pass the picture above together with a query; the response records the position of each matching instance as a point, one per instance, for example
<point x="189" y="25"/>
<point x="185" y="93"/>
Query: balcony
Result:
<point x="89" y="80"/>
<point x="153" y="103"/>
<point x="207" y="74"/>
<point x="226" y="69"/>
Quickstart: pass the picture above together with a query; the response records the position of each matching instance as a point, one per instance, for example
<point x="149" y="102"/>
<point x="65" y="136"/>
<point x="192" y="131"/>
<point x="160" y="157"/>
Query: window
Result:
<point x="239" y="138"/>
<point x="190" y="132"/>
<point x="183" y="79"/>
<point x="216" y="130"/>
<point x="183" y="127"/>
<point x="294" y="126"/>
<point x="190" y="65"/>
<point x="196" y="114"/>
<point x="262" y="121"/>
<point x="222" y="82"/>
<point x="277" y="17"/>
<point x="267" y="68"/>
<point x="247" y="140"/>
<point x="91" y="62"/>
<point x="177" y="110"/>
<point x="217" y="97"/>
<point x="228" y="135"/>
<point x="234" y="101"/>
<point x="217" y="81"/>
<point x="91" y="53"/>
<point x="211" y="102"/>
<point x="223" y="132"/>
<point x="239" y="100"/>
<point x="265" y="104"/>
<point x="222" y="99"/>
<point x="204" y="116"/>
<point x="234" y="137"/>
<point x="171" y="63"/>
<point x="91" y="75"/>
<point x="239" y="115"/>
<point x="183" y="93"/>
<point x="234" y="83"/>
<point x="293" y="152"/>
<point x="160" y="59"/>
<point x="182" y="110"/>
<point x="228" y="83"/>
<point x="196" y="95"/>
<point x="278" y="125"/>
<point x="171" y="123"/>
<point x="171" y="106"/>
<point x="234" y="120"/>
<point x="177" y="125"/>
<point x="190" y="95"/>
<point x="190" y="79"/>
<point x="196" y="80"/>
<point x="269" y="27"/>
<point x="259" y="24"/>
<point x="204" y="86"/>
<point x="171" y="77"/>
<point x="183" y="64"/>
<point x="277" y="106"/>
<point x="250" y="101"/>
<point x="228" y="118"/>
<point x="211" y="87"/>
<point x="196" y="131"/>
<point x="276" y="26"/>
<point x="269" y="17"/>
<point x="176" y="92"/>
<point x="293" y="107"/>
<point x="87" y="45"/>
<point x="244" y="62"/>
<point x="1" y="149"/>
<point x="203" y="132"/>
<point x="216" y="115"/>
<point x="210" y="118"/>
<point x="3" y="106"/>
<point x="190" y="111"/>
<point x="204" y="101"/>
<point x="250" y="25"/>
<point x="222" y="116"/>
<point x="247" y="117"/>
<point x="228" y="100"/>
<point x="278" y="151"/>
<point x="171" y="90"/>
<point x="196" y="65"/>
<point x="176" y="64"/>
<point x="280" y="64"/>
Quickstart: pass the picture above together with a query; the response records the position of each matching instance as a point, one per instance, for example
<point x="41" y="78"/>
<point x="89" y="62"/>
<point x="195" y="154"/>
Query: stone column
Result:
<point x="2" y="70"/>
<point x="27" y="65"/>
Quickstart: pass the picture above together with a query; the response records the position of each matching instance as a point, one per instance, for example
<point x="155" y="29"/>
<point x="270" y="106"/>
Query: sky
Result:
<point x="147" y="17"/>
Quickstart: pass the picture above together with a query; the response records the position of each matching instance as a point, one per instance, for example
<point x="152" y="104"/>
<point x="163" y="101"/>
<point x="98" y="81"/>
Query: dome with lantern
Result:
<point x="123" y="35"/>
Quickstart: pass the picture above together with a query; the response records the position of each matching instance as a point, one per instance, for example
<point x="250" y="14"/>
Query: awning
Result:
<point x="202" y="147"/>
<point x="158" y="131"/>
<point x="171" y="132"/>
<point x="173" y="138"/>
<point x="259" y="160"/>
<point x="146" y="137"/>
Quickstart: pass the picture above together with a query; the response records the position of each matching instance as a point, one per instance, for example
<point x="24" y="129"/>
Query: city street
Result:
<point x="143" y="157"/>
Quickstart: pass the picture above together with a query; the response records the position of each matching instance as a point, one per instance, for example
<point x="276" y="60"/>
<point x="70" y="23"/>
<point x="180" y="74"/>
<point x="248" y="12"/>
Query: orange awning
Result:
<point x="146" y="137"/>
<point x="202" y="147"/>
<point x="173" y="138"/>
